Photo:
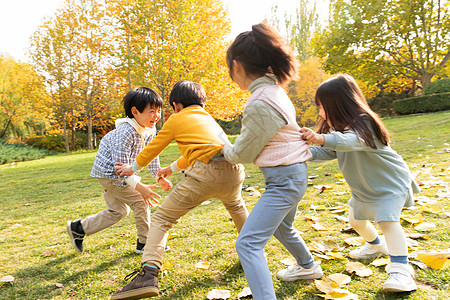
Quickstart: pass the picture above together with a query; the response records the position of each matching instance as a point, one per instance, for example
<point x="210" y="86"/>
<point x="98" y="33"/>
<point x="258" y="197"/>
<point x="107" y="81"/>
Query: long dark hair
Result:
<point x="263" y="51"/>
<point x="346" y="108"/>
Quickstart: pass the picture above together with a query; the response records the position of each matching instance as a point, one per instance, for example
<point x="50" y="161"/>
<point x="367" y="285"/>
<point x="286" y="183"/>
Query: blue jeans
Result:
<point x="273" y="214"/>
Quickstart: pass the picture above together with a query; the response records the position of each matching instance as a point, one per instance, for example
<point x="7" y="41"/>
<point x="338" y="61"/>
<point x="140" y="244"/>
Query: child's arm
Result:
<point x="260" y="122"/>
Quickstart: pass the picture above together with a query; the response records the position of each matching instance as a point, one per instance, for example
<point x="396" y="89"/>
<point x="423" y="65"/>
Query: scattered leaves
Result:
<point x="203" y="264"/>
<point x="48" y="253"/>
<point x="355" y="241"/>
<point x="7" y="278"/>
<point x="340" y="294"/>
<point x="416" y="219"/>
<point x="245" y="293"/>
<point x="358" y="268"/>
<point x="426" y="226"/>
<point x="435" y="259"/>
<point x="380" y="262"/>
<point x="218" y="294"/>
<point x="288" y="261"/>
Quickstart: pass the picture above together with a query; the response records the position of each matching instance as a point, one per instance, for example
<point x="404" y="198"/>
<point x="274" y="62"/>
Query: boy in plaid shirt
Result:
<point x="142" y="107"/>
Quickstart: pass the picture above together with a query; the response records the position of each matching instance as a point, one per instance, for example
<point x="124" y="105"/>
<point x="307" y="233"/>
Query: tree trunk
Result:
<point x="66" y="139"/>
<point x="90" y="147"/>
<point x="425" y="79"/>
<point x="74" y="141"/>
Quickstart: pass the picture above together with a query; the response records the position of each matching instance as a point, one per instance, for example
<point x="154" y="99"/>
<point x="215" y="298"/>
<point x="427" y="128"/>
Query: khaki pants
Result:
<point x="216" y="179"/>
<point x="118" y="201"/>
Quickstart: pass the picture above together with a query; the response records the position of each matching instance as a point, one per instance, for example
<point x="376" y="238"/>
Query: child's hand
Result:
<point x="165" y="183"/>
<point x="311" y="137"/>
<point x="164" y="172"/>
<point x="147" y="193"/>
<point x="123" y="169"/>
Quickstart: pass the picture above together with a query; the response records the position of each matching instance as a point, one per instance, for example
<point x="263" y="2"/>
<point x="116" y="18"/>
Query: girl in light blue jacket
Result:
<point x="379" y="178"/>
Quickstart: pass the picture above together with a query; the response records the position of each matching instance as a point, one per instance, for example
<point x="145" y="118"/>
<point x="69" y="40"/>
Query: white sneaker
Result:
<point x="369" y="251"/>
<point x="401" y="278"/>
<point x="295" y="272"/>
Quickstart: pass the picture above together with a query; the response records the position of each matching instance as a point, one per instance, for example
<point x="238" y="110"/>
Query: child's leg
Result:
<point x="230" y="193"/>
<point x="141" y="218"/>
<point x="291" y="239"/>
<point x="284" y="187"/>
<point x="401" y="274"/>
<point x="116" y="208"/>
<point x="395" y="240"/>
<point x="363" y="227"/>
<point x="185" y="196"/>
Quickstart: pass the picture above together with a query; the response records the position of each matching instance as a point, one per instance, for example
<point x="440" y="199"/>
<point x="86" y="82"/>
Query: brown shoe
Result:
<point x="144" y="285"/>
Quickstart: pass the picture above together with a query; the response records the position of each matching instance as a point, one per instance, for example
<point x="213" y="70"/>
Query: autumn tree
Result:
<point x="23" y="99"/>
<point x="159" y="42"/>
<point x="378" y="41"/>
<point x="300" y="27"/>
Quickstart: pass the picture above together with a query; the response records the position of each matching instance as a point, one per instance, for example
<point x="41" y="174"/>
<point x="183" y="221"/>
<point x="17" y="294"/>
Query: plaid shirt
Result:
<point x="122" y="144"/>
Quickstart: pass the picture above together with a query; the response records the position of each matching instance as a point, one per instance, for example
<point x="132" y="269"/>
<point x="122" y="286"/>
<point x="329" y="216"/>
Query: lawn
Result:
<point x="38" y="197"/>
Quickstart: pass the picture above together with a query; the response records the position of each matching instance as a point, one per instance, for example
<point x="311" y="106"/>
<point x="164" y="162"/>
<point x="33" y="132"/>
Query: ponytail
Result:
<point x="263" y="51"/>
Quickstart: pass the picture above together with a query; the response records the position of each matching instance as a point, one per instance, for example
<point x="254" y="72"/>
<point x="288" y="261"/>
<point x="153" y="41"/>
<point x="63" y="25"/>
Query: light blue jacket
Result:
<point x="372" y="174"/>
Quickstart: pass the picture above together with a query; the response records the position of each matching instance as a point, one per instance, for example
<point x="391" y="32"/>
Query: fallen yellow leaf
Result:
<point x="435" y="259"/>
<point x="431" y="209"/>
<point x="319" y="168"/>
<point x="172" y="236"/>
<point x="336" y="255"/>
<point x="358" y="268"/>
<point x="340" y="279"/>
<point x="340" y="294"/>
<point x="218" y="294"/>
<point x="246" y="292"/>
<point x="319" y="227"/>
<point x="416" y="219"/>
<point x="318" y="207"/>
<point x="380" y="262"/>
<point x="203" y="264"/>
<point x="325" y="286"/>
<point x="7" y="278"/>
<point x="288" y="261"/>
<point x="355" y="241"/>
<point x="426" y="226"/>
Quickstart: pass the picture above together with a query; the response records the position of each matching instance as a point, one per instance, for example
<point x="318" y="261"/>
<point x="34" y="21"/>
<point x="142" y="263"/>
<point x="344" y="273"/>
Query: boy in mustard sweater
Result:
<point x="208" y="175"/>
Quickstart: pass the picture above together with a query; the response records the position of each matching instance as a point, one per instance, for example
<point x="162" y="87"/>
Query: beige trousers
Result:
<point x="216" y="179"/>
<point x="118" y="201"/>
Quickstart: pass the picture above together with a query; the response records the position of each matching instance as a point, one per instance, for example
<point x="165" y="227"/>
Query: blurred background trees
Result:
<point x="86" y="57"/>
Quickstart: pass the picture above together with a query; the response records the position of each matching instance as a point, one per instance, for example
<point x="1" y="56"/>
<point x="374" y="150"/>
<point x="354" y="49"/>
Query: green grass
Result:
<point x="38" y="197"/>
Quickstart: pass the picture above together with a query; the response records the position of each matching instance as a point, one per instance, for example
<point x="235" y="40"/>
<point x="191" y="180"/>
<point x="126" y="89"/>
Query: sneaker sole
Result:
<point x="309" y="277"/>
<point x="398" y="288"/>
<point x="72" y="239"/>
<point x="135" y="294"/>
<point x="367" y="257"/>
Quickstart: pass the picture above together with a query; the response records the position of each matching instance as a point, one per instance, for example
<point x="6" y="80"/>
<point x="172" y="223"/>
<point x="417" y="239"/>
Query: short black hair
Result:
<point x="141" y="97"/>
<point x="187" y="93"/>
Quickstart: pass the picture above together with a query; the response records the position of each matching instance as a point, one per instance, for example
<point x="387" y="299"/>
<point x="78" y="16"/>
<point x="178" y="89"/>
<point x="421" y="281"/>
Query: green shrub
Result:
<point x="427" y="103"/>
<point x="231" y="127"/>
<point x="19" y="152"/>
<point x="51" y="142"/>
<point x="438" y="87"/>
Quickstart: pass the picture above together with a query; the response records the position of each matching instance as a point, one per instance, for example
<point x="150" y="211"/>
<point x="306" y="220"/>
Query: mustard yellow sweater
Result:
<point x="198" y="136"/>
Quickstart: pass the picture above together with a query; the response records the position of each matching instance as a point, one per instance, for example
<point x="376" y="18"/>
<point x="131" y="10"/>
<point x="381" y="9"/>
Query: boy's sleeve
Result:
<point x="156" y="146"/>
<point x="183" y="163"/>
